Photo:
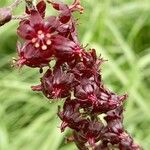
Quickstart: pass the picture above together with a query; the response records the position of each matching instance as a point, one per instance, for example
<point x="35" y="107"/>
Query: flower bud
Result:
<point x="5" y="15"/>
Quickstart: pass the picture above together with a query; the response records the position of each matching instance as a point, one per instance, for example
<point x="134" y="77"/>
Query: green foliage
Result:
<point x="119" y="30"/>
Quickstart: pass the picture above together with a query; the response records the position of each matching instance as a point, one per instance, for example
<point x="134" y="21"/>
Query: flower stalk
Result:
<point x="15" y="4"/>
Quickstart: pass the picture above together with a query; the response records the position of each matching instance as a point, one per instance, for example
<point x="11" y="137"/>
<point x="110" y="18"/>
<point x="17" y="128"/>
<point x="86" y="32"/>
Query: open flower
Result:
<point x="44" y="38"/>
<point x="37" y="33"/>
<point x="56" y="84"/>
<point x="32" y="57"/>
<point x="92" y="132"/>
<point x="98" y="99"/>
<point x="65" y="49"/>
<point x="88" y="67"/>
<point x="71" y="116"/>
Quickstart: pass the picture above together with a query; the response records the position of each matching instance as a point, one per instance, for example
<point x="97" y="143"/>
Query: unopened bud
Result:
<point x="5" y="15"/>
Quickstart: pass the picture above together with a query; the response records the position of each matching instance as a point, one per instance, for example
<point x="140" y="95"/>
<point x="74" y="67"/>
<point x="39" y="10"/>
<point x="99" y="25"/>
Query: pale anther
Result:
<point x="44" y="47"/>
<point x="48" y="42"/>
<point x="37" y="45"/>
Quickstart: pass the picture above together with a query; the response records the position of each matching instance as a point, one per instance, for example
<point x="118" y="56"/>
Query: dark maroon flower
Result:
<point x="86" y="92"/>
<point x="97" y="98"/>
<point x="92" y="63"/>
<point x="90" y="59"/>
<point x="126" y="142"/>
<point x="115" y="134"/>
<point x="92" y="132"/>
<point x="115" y="126"/>
<point x="108" y="101"/>
<point x="36" y="30"/>
<point x="89" y="67"/>
<point x="31" y="56"/>
<point x="71" y="116"/>
<point x="66" y="49"/>
<point x="56" y="84"/>
<point x="114" y="114"/>
<point x="38" y="34"/>
<point x="79" y="141"/>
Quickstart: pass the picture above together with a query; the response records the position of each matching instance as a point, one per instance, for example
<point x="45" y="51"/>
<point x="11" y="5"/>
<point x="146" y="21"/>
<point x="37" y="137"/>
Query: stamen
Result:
<point x="33" y="40"/>
<point x="37" y="45"/>
<point x="48" y="42"/>
<point x="44" y="47"/>
<point x="40" y="32"/>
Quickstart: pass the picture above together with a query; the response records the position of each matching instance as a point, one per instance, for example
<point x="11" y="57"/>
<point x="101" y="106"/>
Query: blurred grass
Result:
<point x="120" y="32"/>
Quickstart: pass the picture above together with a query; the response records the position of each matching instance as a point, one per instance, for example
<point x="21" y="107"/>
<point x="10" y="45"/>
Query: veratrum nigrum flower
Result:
<point x="56" y="84"/>
<point x="66" y="49"/>
<point x="93" y="112"/>
<point x="98" y="99"/>
<point x="71" y="115"/>
<point x="89" y="67"/>
<point x="37" y="34"/>
<point x="92" y="132"/>
<point x="45" y="37"/>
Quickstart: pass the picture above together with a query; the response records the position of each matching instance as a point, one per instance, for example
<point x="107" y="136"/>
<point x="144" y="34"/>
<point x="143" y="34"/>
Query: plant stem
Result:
<point x="15" y="4"/>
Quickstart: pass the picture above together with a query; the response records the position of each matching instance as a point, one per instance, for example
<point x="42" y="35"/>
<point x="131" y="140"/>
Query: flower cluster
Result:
<point x="93" y="112"/>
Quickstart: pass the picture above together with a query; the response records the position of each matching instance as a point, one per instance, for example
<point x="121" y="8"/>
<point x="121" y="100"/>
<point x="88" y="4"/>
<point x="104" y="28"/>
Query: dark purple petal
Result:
<point x="31" y="56"/>
<point x="41" y="7"/>
<point x="25" y="31"/>
<point x="51" y="23"/>
<point x="35" y="19"/>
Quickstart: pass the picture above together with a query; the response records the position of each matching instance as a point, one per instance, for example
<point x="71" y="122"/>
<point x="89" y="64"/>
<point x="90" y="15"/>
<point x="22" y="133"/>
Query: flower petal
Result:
<point x="41" y="6"/>
<point x="35" y="19"/>
<point x="25" y="30"/>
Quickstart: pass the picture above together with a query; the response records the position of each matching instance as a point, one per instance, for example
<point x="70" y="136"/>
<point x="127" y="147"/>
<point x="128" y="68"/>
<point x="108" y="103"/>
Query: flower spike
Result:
<point x="71" y="73"/>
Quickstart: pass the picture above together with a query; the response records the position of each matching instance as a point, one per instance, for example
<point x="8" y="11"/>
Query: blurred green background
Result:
<point x="120" y="32"/>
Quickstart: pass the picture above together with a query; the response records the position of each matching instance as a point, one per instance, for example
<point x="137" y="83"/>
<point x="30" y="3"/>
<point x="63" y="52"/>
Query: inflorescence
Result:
<point x="94" y="113"/>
